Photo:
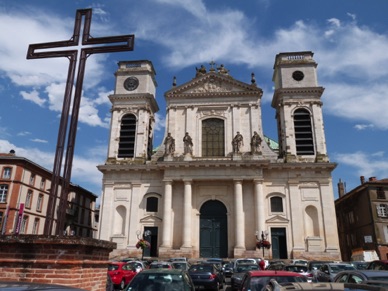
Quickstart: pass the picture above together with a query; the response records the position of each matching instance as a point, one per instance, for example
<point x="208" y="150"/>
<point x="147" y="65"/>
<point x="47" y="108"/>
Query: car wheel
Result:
<point x="122" y="284"/>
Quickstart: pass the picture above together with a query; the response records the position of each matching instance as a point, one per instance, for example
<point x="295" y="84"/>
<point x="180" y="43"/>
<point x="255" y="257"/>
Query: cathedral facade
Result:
<point x="217" y="184"/>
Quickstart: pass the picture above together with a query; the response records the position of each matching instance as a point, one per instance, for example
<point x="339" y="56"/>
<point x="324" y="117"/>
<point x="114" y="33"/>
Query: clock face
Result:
<point x="298" y="75"/>
<point x="131" y="83"/>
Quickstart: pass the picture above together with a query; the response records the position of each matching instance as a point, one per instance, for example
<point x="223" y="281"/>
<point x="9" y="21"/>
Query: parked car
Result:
<point x="239" y="272"/>
<point x="24" y="286"/>
<point x="228" y="270"/>
<point x="161" y="265"/>
<point x="323" y="286"/>
<point x="178" y="259"/>
<point x="244" y="261"/>
<point x="161" y="279"/>
<point x="180" y="265"/>
<point x="138" y="265"/>
<point x="361" y="276"/>
<point x="327" y="272"/>
<point x="206" y="276"/>
<point x="121" y="273"/>
<point x="301" y="269"/>
<point x="359" y="265"/>
<point x="313" y="267"/>
<point x="257" y="280"/>
<point x="378" y="265"/>
<point x="299" y="262"/>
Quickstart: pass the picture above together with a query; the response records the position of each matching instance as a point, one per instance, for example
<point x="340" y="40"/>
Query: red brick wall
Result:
<point x="70" y="261"/>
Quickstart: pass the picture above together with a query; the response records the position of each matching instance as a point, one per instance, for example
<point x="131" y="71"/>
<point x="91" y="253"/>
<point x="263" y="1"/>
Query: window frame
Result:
<point x="303" y="132"/>
<point x="148" y="207"/>
<point x="39" y="202"/>
<point x="3" y="193"/>
<point x="29" y="197"/>
<point x="7" y="173"/>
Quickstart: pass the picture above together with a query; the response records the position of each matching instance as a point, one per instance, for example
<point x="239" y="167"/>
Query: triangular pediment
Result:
<point x="212" y="83"/>
<point x="151" y="218"/>
<point x="278" y="219"/>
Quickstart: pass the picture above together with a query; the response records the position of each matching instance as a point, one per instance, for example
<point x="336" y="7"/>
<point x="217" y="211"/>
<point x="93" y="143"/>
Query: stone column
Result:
<point x="259" y="205"/>
<point x="167" y="205"/>
<point x="239" y="215"/>
<point x="186" y="231"/>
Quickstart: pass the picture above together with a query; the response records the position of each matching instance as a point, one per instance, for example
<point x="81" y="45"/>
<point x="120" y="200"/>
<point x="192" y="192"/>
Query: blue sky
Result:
<point x="349" y="39"/>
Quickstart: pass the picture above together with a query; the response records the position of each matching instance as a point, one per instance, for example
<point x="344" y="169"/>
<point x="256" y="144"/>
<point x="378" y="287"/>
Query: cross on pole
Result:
<point x="39" y="51"/>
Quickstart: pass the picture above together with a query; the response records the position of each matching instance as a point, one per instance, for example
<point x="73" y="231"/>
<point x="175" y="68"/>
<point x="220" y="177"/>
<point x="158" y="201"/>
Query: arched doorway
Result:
<point x="213" y="235"/>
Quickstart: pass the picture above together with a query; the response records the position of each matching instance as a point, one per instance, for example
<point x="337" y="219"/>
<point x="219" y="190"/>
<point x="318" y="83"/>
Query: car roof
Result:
<point x="264" y="273"/>
<point x="24" y="286"/>
<point x="162" y="271"/>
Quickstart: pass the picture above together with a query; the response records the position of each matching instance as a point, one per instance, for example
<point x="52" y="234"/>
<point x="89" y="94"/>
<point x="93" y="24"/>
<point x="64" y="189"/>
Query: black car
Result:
<point x="24" y="286"/>
<point x="362" y="276"/>
<point x="206" y="276"/>
<point x="161" y="279"/>
<point x="228" y="270"/>
<point x="239" y="272"/>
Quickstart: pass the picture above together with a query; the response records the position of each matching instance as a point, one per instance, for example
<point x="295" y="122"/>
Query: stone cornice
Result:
<point x="219" y="81"/>
<point x="149" y="98"/>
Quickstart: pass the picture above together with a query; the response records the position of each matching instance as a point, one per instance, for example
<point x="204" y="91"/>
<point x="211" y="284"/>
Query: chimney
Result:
<point x="12" y="152"/>
<point x="341" y="188"/>
<point x="362" y="179"/>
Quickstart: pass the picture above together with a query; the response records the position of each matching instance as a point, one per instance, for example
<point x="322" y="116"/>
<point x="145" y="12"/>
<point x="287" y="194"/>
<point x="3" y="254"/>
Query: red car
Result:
<point x="121" y="273"/>
<point x="257" y="280"/>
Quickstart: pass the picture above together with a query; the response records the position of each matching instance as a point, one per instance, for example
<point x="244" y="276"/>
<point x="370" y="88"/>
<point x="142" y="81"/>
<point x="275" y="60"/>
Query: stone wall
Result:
<point x="71" y="261"/>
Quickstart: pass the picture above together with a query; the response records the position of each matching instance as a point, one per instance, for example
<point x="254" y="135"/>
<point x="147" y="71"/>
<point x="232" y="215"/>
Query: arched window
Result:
<point x="303" y="132"/>
<point x="152" y="204"/>
<point x="213" y="138"/>
<point x="276" y="204"/>
<point x="127" y="136"/>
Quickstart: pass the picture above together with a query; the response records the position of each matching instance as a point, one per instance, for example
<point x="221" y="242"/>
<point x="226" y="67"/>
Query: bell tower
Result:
<point x="133" y="112"/>
<point x="297" y="101"/>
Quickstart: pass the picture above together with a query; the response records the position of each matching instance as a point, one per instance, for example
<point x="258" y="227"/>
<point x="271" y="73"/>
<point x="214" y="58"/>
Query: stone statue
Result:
<point x="188" y="144"/>
<point x="169" y="145"/>
<point x="255" y="143"/>
<point x="222" y="70"/>
<point x="237" y="142"/>
<point x="200" y="71"/>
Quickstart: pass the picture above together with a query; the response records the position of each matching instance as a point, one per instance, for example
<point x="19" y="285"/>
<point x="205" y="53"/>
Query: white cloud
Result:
<point x="39" y="140"/>
<point x="363" y="126"/>
<point x="368" y="165"/>
<point x="33" y="96"/>
<point x="24" y="133"/>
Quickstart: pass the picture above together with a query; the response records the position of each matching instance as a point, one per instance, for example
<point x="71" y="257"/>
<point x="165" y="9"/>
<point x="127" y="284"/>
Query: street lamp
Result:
<point x="263" y="243"/>
<point x="143" y="243"/>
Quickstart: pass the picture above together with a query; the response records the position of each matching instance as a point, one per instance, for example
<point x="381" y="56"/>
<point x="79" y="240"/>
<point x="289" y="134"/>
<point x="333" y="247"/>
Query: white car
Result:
<point x="244" y="261"/>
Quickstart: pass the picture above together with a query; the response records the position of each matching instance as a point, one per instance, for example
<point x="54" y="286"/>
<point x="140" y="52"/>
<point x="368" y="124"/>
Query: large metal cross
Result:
<point x="38" y="51"/>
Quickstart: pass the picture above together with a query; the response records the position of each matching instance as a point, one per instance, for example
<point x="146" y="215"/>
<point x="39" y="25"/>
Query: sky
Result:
<point x="349" y="39"/>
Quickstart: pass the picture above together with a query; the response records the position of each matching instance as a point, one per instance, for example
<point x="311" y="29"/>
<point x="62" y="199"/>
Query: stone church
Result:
<point x="217" y="184"/>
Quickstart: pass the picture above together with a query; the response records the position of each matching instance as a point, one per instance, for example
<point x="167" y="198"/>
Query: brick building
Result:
<point x="24" y="195"/>
<point x="362" y="216"/>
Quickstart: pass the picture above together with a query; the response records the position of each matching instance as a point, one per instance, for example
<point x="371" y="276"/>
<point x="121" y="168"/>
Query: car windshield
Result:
<point x="257" y="283"/>
<point x="338" y="268"/>
<point x="298" y="269"/>
<point x="159" y="266"/>
<point x="243" y="268"/>
<point x="201" y="268"/>
<point x="147" y="281"/>
<point x="113" y="267"/>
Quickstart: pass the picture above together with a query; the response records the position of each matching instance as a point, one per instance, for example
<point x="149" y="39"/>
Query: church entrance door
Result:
<point x="213" y="230"/>
<point x="153" y="240"/>
<point x="279" y="243"/>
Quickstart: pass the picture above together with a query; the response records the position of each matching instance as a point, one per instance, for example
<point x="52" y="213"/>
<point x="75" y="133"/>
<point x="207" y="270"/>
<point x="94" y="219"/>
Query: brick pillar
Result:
<point x="71" y="261"/>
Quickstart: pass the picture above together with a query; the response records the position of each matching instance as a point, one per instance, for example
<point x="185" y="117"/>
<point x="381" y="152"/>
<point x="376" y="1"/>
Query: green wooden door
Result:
<point x="213" y="230"/>
<point x="279" y="243"/>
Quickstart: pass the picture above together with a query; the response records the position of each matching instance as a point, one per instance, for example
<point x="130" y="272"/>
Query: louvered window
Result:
<point x="303" y="132"/>
<point x="127" y="136"/>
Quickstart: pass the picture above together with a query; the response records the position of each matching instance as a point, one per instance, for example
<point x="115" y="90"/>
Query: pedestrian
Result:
<point x="262" y="264"/>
